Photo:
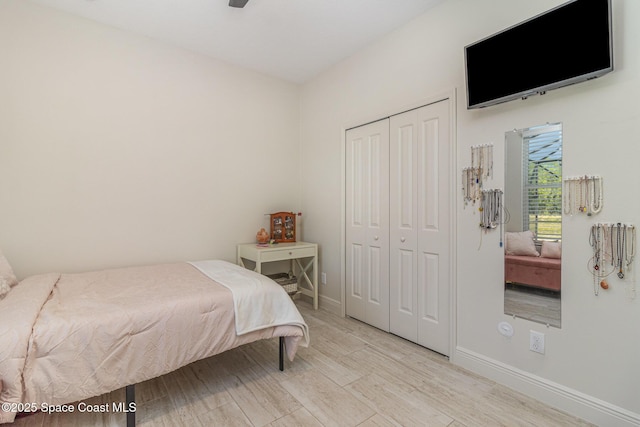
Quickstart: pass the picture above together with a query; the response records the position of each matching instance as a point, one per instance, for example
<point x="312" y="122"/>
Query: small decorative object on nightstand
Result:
<point x="283" y="227"/>
<point x="262" y="236"/>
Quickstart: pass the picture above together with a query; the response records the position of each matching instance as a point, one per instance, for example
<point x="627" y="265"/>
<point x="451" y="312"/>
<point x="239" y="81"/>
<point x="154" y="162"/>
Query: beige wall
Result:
<point x="591" y="365"/>
<point x="117" y="150"/>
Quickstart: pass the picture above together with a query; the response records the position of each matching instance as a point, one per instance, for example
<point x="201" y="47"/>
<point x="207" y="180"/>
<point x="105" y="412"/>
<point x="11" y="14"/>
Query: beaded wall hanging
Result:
<point x="481" y="169"/>
<point x="492" y="212"/>
<point x="583" y="194"/>
<point x="614" y="249"/>
<point x="482" y="160"/>
<point x="490" y="209"/>
<point x="470" y="185"/>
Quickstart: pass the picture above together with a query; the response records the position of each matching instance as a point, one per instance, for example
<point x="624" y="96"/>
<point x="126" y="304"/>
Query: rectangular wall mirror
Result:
<point x="533" y="229"/>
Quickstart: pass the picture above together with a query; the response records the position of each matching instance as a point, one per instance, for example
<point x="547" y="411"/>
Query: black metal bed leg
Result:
<point x="130" y="392"/>
<point x="281" y="355"/>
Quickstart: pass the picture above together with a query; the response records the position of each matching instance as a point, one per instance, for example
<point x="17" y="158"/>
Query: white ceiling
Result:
<point x="290" y="39"/>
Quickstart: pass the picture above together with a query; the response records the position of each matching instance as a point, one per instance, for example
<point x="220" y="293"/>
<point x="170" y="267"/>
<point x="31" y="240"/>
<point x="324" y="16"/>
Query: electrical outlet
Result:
<point x="323" y="278"/>
<point x="536" y="342"/>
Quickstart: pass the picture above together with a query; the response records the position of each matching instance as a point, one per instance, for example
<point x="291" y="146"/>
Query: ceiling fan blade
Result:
<point x="237" y="3"/>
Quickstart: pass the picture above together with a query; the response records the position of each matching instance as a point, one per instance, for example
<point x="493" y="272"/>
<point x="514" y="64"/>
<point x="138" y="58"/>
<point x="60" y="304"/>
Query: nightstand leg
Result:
<point x="312" y="281"/>
<point x="315" y="282"/>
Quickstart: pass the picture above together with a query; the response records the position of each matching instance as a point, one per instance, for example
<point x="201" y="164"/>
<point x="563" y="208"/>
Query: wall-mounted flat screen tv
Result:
<point x="565" y="45"/>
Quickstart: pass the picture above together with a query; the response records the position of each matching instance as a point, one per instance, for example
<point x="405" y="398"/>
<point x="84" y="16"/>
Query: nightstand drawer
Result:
<point x="287" y="253"/>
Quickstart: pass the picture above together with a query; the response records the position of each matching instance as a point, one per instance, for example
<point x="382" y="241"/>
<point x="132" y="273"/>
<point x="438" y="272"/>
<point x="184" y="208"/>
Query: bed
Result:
<point x="68" y="337"/>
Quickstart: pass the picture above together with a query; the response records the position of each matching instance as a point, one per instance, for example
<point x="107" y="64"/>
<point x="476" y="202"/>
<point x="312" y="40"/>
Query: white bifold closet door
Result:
<point x="367" y="227"/>
<point x="420" y="226"/>
<point x="398" y="225"/>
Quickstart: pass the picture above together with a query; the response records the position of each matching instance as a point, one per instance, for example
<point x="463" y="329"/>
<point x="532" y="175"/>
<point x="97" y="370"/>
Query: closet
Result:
<point x="398" y="225"/>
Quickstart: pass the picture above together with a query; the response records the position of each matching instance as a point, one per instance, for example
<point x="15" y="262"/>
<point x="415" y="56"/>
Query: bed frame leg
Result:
<point x="281" y="355"/>
<point x="131" y="398"/>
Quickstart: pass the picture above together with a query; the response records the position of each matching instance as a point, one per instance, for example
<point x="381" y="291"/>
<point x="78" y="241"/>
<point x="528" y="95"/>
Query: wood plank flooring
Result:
<point x="351" y="375"/>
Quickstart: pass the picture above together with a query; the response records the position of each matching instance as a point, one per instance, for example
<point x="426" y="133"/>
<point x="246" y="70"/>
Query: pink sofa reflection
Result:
<point x="533" y="271"/>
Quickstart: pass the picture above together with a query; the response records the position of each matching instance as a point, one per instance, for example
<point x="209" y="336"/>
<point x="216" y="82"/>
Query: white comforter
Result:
<point x="247" y="287"/>
<point x="68" y="337"/>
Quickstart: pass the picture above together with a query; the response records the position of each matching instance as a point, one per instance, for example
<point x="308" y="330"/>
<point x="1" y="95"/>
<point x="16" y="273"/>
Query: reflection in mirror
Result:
<point x="533" y="233"/>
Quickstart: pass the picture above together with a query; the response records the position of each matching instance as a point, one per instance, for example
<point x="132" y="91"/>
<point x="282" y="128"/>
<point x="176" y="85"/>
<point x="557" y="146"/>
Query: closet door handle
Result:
<point x="402" y="239"/>
<point x="375" y="238"/>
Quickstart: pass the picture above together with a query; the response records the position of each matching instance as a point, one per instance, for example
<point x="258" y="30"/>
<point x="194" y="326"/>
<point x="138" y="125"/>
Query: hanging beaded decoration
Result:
<point x="482" y="160"/>
<point x="614" y="249"/>
<point x="490" y="209"/>
<point x="582" y="194"/>
<point x="470" y="185"/>
<point x="481" y="169"/>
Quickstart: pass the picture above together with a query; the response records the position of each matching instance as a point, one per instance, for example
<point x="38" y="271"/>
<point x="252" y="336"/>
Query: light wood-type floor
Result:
<point x="351" y="375"/>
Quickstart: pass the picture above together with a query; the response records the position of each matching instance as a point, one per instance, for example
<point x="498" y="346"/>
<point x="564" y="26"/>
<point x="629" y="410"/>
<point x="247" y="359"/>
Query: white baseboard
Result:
<point x="556" y="395"/>
<point x="326" y="303"/>
<point x="330" y="305"/>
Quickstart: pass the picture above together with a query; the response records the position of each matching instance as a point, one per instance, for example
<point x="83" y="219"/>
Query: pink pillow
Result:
<point x="520" y="243"/>
<point x="551" y="250"/>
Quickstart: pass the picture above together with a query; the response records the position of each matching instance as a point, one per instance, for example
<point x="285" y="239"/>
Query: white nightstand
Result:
<point x="302" y="254"/>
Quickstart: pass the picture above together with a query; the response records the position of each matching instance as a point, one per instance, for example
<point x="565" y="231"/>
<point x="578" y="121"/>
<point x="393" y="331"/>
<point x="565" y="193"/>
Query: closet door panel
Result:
<point x="429" y="307"/>
<point x="429" y="191"/>
<point x="377" y="304"/>
<point x="434" y="227"/>
<point x="355" y="227"/>
<point x="429" y="182"/>
<point x="356" y="276"/>
<point x="367" y="223"/>
<point x="375" y="289"/>
<point x="406" y="279"/>
<point x="403" y="225"/>
<point x="405" y="184"/>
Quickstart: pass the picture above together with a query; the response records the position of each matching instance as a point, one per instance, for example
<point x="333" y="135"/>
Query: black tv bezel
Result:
<point x="547" y="87"/>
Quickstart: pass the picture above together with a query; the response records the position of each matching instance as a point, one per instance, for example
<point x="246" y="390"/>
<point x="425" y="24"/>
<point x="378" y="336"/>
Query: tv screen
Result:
<point x="565" y="45"/>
